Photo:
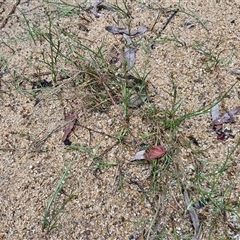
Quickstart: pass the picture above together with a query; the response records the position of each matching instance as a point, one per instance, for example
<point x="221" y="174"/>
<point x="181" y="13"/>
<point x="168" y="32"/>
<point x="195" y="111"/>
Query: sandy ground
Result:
<point x="101" y="207"/>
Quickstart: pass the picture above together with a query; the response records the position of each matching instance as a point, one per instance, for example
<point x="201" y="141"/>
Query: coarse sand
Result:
<point x="110" y="203"/>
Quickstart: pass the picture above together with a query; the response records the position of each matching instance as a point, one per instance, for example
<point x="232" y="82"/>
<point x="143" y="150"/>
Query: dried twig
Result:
<point x="142" y="190"/>
<point x="164" y="27"/>
<point x="192" y="212"/>
<point x="168" y="21"/>
<point x="38" y="144"/>
<point x="93" y="130"/>
<point x="130" y="32"/>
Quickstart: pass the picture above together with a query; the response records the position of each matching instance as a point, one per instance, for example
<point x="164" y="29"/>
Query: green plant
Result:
<point x="53" y="210"/>
<point x="212" y="57"/>
<point x="123" y="10"/>
<point x="65" y="9"/>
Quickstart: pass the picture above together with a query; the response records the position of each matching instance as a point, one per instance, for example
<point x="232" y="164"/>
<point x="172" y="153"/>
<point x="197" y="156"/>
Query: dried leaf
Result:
<point x="236" y="71"/>
<point x="200" y="204"/>
<point x="188" y="23"/>
<point x="136" y="100"/>
<point x="129" y="53"/>
<point x="127" y="39"/>
<point x="191" y="210"/>
<point x="227" y="117"/>
<point x="139" y="156"/>
<point x="151" y="153"/>
<point x="224" y="135"/>
<point x="129" y="56"/>
<point x="155" y="152"/>
<point x="234" y="110"/>
<point x="130" y="32"/>
<point x="71" y="118"/>
<point x="215" y="112"/>
<point x="116" y="30"/>
<point x="95" y="4"/>
<point x="141" y="29"/>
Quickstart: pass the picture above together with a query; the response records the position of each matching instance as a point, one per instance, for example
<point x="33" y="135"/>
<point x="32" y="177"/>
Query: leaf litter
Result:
<point x="215" y="113"/>
<point x="227" y="117"/>
<point x="130" y="32"/>
<point x="95" y="4"/>
<point x="129" y="55"/>
<point x="218" y="121"/>
<point x="71" y="120"/>
<point x="136" y="100"/>
<point x="188" y="24"/>
<point x="151" y="153"/>
<point x="191" y="210"/>
<point x="129" y="51"/>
